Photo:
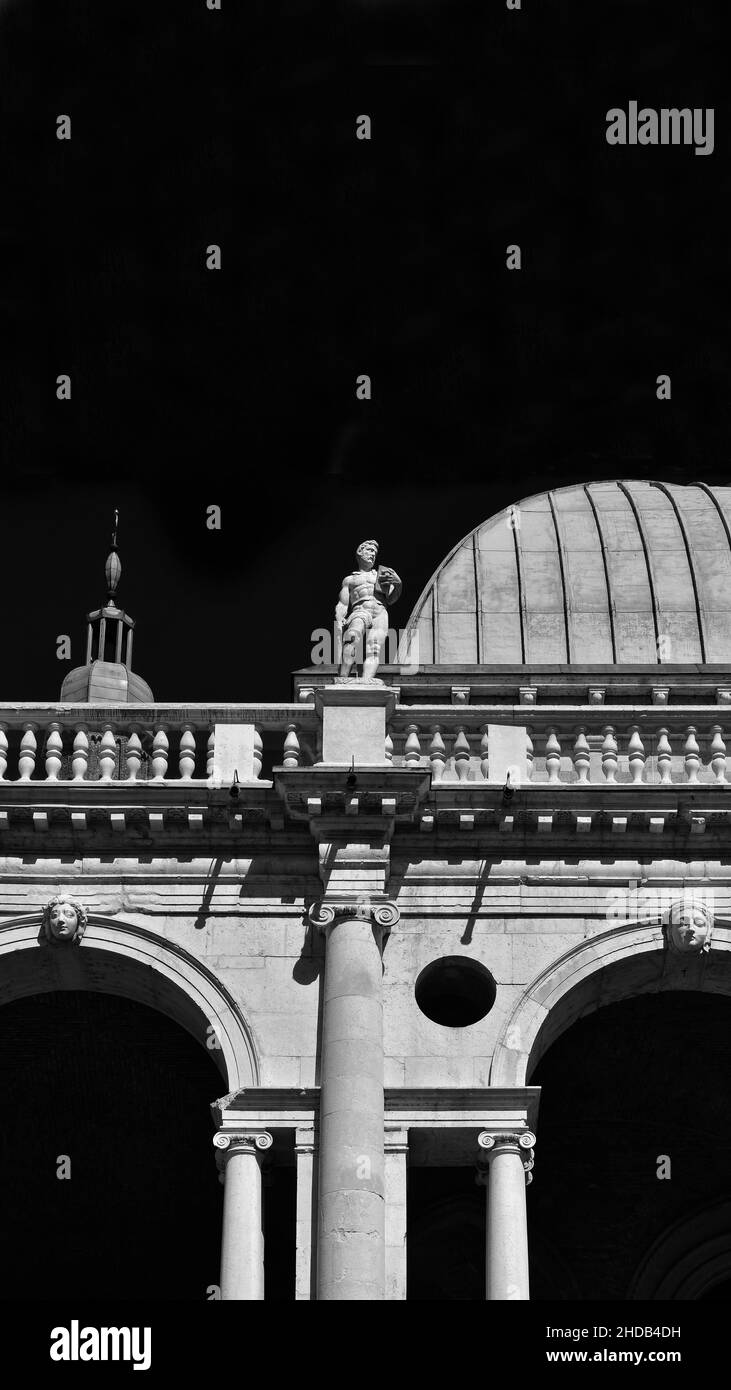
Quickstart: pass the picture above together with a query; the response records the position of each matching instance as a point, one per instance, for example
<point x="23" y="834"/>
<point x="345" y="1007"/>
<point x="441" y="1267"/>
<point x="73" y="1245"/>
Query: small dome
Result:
<point x="104" y="683"/>
<point x="601" y="573"/>
<point x="107" y="677"/>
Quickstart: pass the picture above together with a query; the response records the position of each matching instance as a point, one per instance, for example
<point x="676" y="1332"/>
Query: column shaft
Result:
<point x="350" y="1261"/>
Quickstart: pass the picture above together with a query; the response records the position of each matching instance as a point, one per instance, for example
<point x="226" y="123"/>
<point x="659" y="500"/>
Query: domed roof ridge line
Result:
<point x="603" y="548"/>
<point x="710" y="493"/>
<point x="650" y="578"/>
<point x="478" y="599"/>
<point x="689" y="555"/>
<point x="562" y="572"/>
<point x="521" y="594"/>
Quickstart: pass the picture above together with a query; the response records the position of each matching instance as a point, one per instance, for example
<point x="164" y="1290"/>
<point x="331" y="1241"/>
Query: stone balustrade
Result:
<point x="206" y="745"/>
<point x="153" y="744"/>
<point x="555" y="747"/>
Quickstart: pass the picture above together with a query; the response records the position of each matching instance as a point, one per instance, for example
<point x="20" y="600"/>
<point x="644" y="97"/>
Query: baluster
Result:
<point x="160" y="750"/>
<point x="80" y="754"/>
<point x="108" y="755"/>
<point x="389" y="749"/>
<point x="292" y="752"/>
<point x="258" y="752"/>
<point x="664" y="758"/>
<point x="54" y="752"/>
<point x="553" y="756"/>
<point x="636" y="755"/>
<point x="609" y="754"/>
<point x="28" y="751"/>
<point x="210" y="753"/>
<point x="412" y="747"/>
<point x="462" y="755"/>
<point x="437" y="753"/>
<point x="692" y="755"/>
<point x="134" y="755"/>
<point x="3" y="751"/>
<point x="186" y="753"/>
<point x="528" y="752"/>
<point x="485" y="752"/>
<point x="582" y="755"/>
<point x="718" y="754"/>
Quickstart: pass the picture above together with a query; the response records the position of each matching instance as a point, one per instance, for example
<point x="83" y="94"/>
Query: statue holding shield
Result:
<point x="361" y="614"/>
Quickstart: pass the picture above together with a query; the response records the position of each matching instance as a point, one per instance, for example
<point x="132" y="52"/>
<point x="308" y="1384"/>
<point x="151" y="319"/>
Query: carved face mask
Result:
<point x="690" y="931"/>
<point x="63" y="921"/>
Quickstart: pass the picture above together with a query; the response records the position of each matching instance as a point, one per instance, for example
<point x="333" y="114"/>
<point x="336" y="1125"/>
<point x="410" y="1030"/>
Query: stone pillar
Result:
<point x="506" y="1161"/>
<point x="351" y="1205"/>
<point x="396" y="1152"/>
<point x="242" y="1243"/>
<point x="304" y="1151"/>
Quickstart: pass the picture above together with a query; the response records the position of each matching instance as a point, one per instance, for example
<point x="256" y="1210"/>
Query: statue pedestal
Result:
<point x="354" y="723"/>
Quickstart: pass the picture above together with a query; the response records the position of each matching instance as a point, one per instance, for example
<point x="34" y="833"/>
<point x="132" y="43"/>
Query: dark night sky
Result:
<point x="339" y="257"/>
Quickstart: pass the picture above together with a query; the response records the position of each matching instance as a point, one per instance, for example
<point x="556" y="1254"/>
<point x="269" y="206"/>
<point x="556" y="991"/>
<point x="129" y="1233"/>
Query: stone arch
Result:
<point x="117" y="957"/>
<point x="688" y="1258"/>
<point x="616" y="964"/>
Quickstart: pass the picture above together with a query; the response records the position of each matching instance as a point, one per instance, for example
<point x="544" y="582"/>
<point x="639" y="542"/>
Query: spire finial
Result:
<point x="113" y="567"/>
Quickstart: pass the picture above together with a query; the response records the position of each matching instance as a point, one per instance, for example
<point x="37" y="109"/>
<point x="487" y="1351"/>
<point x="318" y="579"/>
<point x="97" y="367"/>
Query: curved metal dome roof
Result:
<point x="613" y="572"/>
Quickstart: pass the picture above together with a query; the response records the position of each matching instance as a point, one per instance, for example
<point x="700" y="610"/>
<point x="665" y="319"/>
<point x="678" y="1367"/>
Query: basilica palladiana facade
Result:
<point x="455" y="931"/>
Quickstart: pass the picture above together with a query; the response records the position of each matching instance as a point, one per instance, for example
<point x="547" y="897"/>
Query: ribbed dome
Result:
<point x="615" y="572"/>
<point x="105" y="683"/>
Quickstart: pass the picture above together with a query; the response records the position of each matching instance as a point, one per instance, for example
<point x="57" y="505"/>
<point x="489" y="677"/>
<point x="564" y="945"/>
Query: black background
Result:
<point x="237" y="388"/>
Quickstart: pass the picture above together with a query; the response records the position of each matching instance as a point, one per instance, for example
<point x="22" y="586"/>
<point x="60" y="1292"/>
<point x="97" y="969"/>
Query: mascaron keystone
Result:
<point x="64" y="921"/>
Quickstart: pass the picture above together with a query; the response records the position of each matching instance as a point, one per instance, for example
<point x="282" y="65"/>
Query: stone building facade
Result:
<point x="382" y="909"/>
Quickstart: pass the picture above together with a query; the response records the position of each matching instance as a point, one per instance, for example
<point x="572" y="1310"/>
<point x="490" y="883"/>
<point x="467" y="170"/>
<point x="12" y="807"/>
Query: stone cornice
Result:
<point x="409" y="1107"/>
<point x="373" y="796"/>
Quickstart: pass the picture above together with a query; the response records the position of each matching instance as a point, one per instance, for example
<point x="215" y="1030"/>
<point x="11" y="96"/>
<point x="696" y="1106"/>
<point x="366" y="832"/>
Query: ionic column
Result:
<point x="505" y="1163"/>
<point x="351" y="1206"/>
<point x="242" y="1244"/>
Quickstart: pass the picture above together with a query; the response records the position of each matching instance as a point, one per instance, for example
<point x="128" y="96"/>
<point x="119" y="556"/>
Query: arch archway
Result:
<point x="634" y="1133"/>
<point x="618" y="964"/>
<point x="121" y="958"/>
<point x="108" y="1182"/>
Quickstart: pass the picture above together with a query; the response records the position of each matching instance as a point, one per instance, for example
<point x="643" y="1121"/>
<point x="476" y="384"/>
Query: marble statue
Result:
<point x="64" y="920"/>
<point x="361" y="611"/>
<point x="690" y="927"/>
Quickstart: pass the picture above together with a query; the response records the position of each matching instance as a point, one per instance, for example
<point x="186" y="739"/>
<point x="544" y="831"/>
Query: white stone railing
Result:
<point x="153" y="743"/>
<point x="656" y="747"/>
<point x="207" y="744"/>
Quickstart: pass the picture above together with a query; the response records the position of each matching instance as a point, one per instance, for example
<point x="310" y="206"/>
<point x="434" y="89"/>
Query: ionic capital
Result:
<point x="494" y="1142"/>
<point x="229" y="1143"/>
<point x="327" y="913"/>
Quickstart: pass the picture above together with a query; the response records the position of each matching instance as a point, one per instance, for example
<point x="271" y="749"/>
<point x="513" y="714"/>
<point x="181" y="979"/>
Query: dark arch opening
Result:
<point x="634" y="1083"/>
<point x="124" y="1092"/>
